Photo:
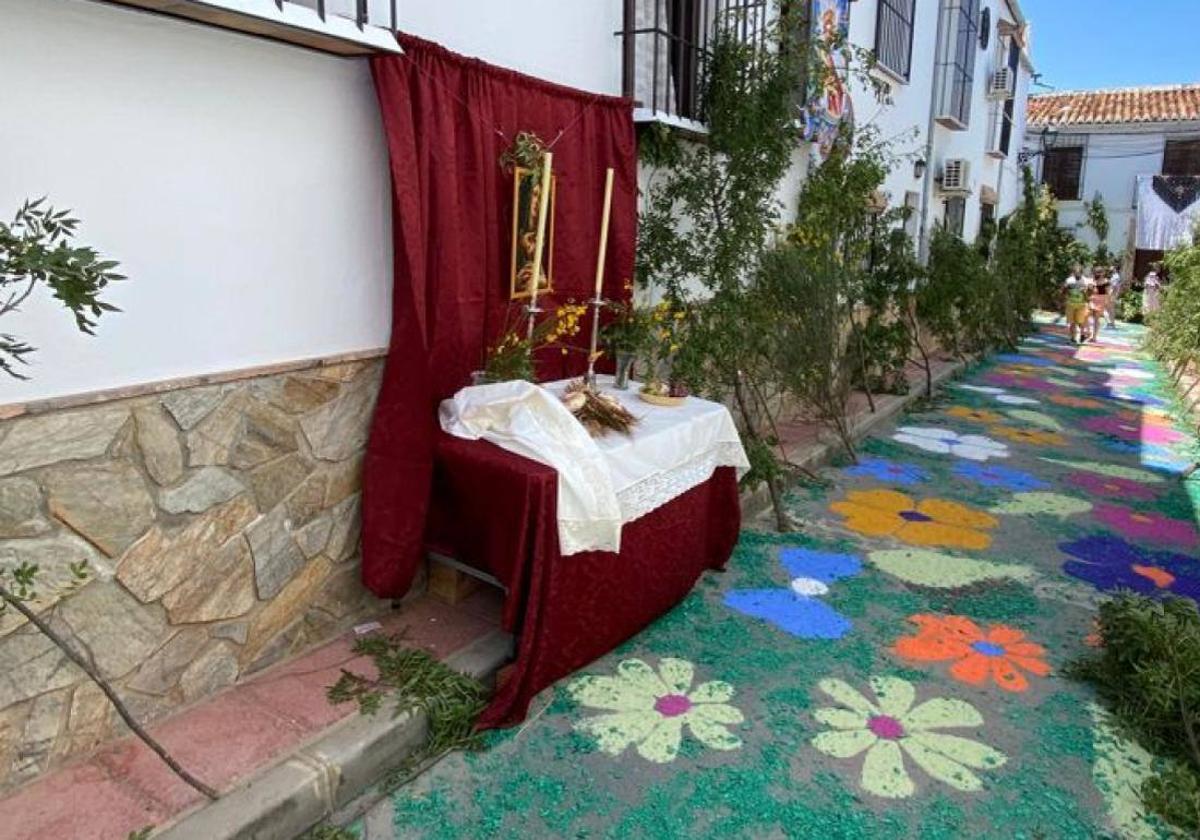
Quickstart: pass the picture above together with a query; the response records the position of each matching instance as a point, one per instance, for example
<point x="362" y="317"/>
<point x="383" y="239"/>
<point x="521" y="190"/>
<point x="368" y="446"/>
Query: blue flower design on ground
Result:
<point x="1111" y="563"/>
<point x="1151" y="455"/>
<point x="987" y="475"/>
<point x="1022" y="359"/>
<point x="799" y="610"/>
<point x="885" y="470"/>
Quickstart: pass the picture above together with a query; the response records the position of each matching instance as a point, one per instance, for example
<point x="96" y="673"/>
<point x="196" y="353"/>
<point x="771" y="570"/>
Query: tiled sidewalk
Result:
<point x="226" y="738"/>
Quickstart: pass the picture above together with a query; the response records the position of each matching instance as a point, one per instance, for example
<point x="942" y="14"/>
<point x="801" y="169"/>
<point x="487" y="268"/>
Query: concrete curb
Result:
<point x="758" y="501"/>
<point x="314" y="782"/>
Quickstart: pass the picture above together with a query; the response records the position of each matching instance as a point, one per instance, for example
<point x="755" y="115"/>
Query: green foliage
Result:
<point x="1175" y="329"/>
<point x="1097" y="219"/>
<point x="885" y="334"/>
<point x="954" y="303"/>
<point x="1148" y="673"/>
<point x="708" y="212"/>
<point x="418" y="682"/>
<point x="36" y="248"/>
<point x="329" y="832"/>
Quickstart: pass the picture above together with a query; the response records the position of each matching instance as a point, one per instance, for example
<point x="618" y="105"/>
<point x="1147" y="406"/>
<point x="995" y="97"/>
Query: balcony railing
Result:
<point x="666" y="48"/>
<point x="343" y="27"/>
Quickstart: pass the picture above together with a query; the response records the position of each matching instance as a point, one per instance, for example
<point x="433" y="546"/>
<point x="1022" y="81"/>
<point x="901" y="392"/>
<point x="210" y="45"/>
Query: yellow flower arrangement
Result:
<point x="512" y="356"/>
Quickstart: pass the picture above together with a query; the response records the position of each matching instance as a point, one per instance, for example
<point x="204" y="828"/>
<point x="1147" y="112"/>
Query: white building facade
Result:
<point x="201" y="454"/>
<point x="1094" y="146"/>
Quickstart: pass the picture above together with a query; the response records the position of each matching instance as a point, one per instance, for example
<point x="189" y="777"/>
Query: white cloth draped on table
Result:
<point x="608" y="481"/>
<point x="1168" y="210"/>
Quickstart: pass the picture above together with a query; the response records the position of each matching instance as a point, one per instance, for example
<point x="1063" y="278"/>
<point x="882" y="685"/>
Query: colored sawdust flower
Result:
<point x="1121" y="488"/>
<point x="1012" y="380"/>
<point x="649" y="710"/>
<point x="997" y="394"/>
<point x="1148" y="527"/>
<point x="945" y="441"/>
<point x="1034" y="418"/>
<point x="1068" y="401"/>
<point x="1111" y="564"/>
<point x="1033" y="437"/>
<point x="1027" y="359"/>
<point x="1127" y="428"/>
<point x="798" y="609"/>
<point x="1040" y="503"/>
<point x="1000" y="654"/>
<point x="994" y="475"/>
<point x="883" y="469"/>
<point x="1111" y="470"/>
<point x="891" y="727"/>
<point x="932" y="522"/>
<point x="977" y="415"/>
<point x="935" y="570"/>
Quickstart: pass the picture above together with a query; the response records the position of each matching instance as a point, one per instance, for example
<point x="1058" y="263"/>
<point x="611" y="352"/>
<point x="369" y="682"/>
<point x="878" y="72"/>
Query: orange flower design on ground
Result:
<point x="1035" y="437"/>
<point x="1075" y="402"/>
<point x="1000" y="654"/>
<point x="979" y="415"/>
<point x="933" y="522"/>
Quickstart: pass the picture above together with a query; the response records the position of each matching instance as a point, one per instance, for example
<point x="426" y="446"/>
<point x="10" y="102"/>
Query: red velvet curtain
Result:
<point x="448" y="119"/>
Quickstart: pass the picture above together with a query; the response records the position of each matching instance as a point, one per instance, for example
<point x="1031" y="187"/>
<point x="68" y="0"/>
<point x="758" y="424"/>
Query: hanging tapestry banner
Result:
<point x="827" y="101"/>
<point x="1168" y="209"/>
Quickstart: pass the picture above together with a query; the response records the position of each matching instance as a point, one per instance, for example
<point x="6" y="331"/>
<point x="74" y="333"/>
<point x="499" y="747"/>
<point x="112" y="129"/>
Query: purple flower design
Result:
<point x="1111" y="564"/>
<point x="989" y="475"/>
<point x="884" y="470"/>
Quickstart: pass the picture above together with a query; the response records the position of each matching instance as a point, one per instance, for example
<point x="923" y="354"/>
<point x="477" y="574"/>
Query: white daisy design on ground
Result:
<point x="891" y="727"/>
<point x="947" y="442"/>
<point x="998" y="394"/>
<point x="649" y="709"/>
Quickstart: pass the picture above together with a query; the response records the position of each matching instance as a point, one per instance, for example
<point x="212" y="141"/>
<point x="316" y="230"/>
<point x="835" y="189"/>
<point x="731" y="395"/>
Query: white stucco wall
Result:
<point x="242" y="184"/>
<point x="572" y="42"/>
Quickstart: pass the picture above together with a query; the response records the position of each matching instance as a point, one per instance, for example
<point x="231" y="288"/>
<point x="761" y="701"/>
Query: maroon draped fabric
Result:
<point x="498" y="512"/>
<point x="448" y="119"/>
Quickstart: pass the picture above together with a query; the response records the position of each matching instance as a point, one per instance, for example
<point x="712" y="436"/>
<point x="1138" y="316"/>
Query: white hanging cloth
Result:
<point x="1168" y="210"/>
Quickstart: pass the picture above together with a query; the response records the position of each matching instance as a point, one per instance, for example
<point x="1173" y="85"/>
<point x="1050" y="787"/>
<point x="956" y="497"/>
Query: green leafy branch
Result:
<point x="35" y="248"/>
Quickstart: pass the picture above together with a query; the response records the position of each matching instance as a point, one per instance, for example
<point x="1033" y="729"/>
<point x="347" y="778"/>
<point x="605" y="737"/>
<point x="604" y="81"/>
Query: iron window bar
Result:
<point x="679" y="53"/>
<point x="894" y="36"/>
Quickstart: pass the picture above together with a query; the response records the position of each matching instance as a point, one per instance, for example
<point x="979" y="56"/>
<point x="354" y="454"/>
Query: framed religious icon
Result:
<point x="526" y="204"/>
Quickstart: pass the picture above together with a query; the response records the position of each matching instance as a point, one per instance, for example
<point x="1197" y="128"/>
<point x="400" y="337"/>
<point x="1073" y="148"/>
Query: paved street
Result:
<point x="893" y="669"/>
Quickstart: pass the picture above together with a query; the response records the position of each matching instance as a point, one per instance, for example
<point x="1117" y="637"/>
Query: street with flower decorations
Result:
<point x="894" y="667"/>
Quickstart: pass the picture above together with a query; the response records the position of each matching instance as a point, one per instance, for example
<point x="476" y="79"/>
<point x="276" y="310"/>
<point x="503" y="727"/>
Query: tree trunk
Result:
<point x="86" y="667"/>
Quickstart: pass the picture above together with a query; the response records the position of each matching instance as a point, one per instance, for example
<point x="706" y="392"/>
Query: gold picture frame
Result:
<point x="525" y="188"/>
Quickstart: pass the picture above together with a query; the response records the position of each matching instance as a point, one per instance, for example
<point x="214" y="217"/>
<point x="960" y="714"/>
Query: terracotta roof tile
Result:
<point x="1171" y="103"/>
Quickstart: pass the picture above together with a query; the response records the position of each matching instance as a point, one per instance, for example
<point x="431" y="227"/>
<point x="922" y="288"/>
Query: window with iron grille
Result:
<point x="1062" y="172"/>
<point x="667" y="47"/>
<point x="1181" y="157"/>
<point x="957" y="70"/>
<point x="955" y="216"/>
<point x="894" y="36"/>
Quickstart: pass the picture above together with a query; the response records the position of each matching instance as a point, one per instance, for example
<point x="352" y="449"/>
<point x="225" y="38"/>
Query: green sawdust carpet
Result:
<point x="892" y="669"/>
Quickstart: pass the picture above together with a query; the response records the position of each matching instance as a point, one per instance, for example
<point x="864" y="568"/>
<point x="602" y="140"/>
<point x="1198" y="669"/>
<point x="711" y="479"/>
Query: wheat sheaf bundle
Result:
<point x="599" y="413"/>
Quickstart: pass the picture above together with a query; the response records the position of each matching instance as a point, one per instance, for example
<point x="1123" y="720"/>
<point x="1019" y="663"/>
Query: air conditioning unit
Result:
<point x="956" y="176"/>
<point x="1003" y="84"/>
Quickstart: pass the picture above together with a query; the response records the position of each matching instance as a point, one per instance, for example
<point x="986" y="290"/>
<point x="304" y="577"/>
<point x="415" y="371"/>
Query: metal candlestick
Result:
<point x="590" y="377"/>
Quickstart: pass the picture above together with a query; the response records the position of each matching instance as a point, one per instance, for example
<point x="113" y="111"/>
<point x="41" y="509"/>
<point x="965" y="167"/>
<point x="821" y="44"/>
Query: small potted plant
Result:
<point x="627" y="336"/>
<point x="668" y="326"/>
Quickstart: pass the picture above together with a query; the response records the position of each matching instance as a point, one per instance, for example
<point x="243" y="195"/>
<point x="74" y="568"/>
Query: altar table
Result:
<point x="497" y="512"/>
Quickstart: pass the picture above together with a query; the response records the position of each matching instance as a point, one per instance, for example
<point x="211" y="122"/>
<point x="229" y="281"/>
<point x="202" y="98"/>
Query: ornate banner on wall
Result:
<point x="827" y="104"/>
<point x="1168" y="209"/>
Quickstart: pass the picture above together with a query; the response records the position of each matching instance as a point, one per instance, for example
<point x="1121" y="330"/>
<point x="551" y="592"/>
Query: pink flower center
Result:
<point x="886" y="727"/>
<point x="672" y="705"/>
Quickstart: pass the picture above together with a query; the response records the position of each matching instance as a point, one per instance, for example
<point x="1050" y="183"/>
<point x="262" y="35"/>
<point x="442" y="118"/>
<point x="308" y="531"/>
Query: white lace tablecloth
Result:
<point x="671" y="451"/>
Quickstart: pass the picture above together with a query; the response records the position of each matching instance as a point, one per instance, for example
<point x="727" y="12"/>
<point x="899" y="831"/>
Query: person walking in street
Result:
<point x="1150" y="296"/>
<point x="1114" y="297"/>
<point x="1075" y="307"/>
<point x="1098" y="300"/>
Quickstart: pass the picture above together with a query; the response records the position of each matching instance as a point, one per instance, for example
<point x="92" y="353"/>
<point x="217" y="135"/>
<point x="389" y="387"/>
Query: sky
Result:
<point x="1088" y="44"/>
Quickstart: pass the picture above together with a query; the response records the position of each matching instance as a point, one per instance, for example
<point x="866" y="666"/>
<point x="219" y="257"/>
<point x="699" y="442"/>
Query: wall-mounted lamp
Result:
<point x="919" y="167"/>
